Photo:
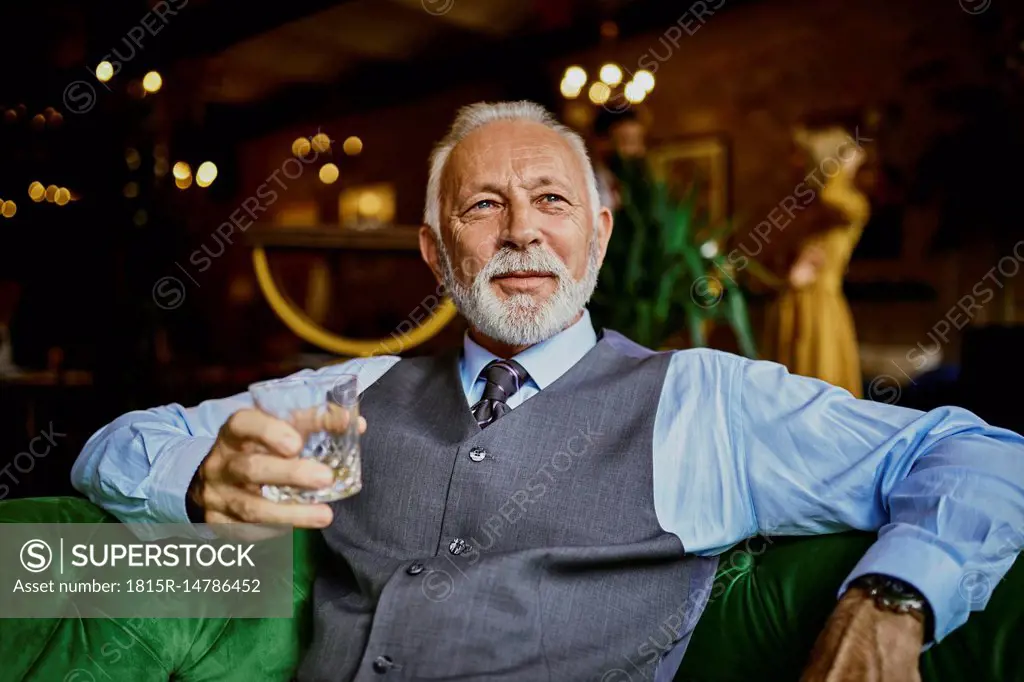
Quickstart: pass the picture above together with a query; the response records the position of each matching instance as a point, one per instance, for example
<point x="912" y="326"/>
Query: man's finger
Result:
<point x="275" y="434"/>
<point x="250" y="508"/>
<point x="266" y="469"/>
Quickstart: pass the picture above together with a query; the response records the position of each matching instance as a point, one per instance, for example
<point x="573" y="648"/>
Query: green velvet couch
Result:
<point x="770" y="600"/>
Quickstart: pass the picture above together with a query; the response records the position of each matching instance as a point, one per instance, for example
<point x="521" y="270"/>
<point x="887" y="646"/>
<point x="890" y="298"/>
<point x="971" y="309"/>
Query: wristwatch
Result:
<point x="898" y="596"/>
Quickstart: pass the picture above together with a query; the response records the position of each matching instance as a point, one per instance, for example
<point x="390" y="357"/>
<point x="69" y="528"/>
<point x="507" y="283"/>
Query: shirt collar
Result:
<point x="545" y="362"/>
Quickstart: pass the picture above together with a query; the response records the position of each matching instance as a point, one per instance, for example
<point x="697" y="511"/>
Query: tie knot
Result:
<point x="504" y="378"/>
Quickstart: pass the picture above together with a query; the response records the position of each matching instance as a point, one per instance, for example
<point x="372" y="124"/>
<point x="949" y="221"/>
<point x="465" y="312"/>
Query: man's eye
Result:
<point x="483" y="203"/>
<point x="552" y="198"/>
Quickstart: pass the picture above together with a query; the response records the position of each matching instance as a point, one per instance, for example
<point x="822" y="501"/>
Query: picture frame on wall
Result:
<point x="699" y="164"/>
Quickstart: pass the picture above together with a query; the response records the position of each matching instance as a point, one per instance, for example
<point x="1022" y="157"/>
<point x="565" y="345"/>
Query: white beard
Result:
<point x="520" y="319"/>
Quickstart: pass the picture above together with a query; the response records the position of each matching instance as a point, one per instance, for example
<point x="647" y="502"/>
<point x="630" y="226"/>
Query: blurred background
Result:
<point x="199" y="194"/>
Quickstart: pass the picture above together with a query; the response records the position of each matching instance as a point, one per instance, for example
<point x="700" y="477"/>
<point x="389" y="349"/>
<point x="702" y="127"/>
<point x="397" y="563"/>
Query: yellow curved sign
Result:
<point x="310" y="331"/>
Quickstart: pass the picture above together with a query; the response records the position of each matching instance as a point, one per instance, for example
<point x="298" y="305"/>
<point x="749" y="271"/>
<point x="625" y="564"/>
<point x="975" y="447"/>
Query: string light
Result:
<point x="575" y="77"/>
<point x="206" y="174"/>
<point x="634" y="92"/>
<point x="570" y="90"/>
<point x="645" y="79"/>
<point x="352" y="145"/>
<point x="599" y="93"/>
<point x="51" y="193"/>
<point x="152" y="82"/>
<point x="328" y="173"/>
<point x="132" y="158"/>
<point x="611" y="74"/>
<point x="36" y="191"/>
<point x="321" y="143"/>
<point x="301" y="147"/>
<point x="8" y="209"/>
<point x="183" y="183"/>
<point x="181" y="170"/>
<point x="104" y="71"/>
<point x="131" y="190"/>
<point x="62" y="197"/>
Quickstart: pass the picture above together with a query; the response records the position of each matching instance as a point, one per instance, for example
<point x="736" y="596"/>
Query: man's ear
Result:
<point x="430" y="252"/>
<point x="605" y="225"/>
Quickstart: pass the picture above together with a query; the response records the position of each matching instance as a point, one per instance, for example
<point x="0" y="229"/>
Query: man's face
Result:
<point x="518" y="231"/>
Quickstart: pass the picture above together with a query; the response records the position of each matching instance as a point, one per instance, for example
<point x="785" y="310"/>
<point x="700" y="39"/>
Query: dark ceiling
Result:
<point x="251" y="65"/>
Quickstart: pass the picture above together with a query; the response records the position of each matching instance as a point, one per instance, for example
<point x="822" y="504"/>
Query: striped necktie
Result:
<point x="504" y="378"/>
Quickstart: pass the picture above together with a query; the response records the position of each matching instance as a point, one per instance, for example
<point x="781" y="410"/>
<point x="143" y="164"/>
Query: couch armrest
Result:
<point x="151" y="649"/>
<point x="772" y="597"/>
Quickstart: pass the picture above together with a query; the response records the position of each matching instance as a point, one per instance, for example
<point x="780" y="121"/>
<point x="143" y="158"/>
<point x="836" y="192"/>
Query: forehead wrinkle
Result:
<point x="500" y="161"/>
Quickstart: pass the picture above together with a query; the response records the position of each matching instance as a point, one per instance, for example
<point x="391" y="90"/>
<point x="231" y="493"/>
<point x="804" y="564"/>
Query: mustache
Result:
<point x="538" y="258"/>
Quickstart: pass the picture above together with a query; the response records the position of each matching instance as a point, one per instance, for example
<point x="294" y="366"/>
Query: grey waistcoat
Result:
<point x="527" y="551"/>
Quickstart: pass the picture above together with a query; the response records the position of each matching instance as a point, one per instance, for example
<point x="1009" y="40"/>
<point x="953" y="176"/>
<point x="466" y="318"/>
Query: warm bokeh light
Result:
<point x="183" y="183"/>
<point x="8" y="209"/>
<point x="152" y="82"/>
<point x="570" y="90"/>
<point x="38" y="122"/>
<point x="645" y="79"/>
<point x="321" y="143"/>
<point x="181" y="170"/>
<point x="132" y="158"/>
<point x="140" y="218"/>
<point x="51" y="193"/>
<point x="160" y="168"/>
<point x="634" y="92"/>
<point x="599" y="93"/>
<point x="611" y="74"/>
<point x="62" y="197"/>
<point x="104" y="71"/>
<point x="131" y="190"/>
<point x="370" y="204"/>
<point x="575" y="77"/>
<point x="301" y="147"/>
<point x="36" y="191"/>
<point x="352" y="145"/>
<point x="709" y="249"/>
<point x="206" y="173"/>
<point x="55" y="119"/>
<point x="328" y="173"/>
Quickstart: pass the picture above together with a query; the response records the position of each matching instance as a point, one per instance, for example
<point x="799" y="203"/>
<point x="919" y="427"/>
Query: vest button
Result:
<point x="382" y="664"/>
<point x="477" y="454"/>
<point x="457" y="546"/>
<point x="414" y="568"/>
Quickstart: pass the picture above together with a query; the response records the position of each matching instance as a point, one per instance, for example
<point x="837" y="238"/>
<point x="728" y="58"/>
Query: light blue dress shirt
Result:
<point x="740" y="448"/>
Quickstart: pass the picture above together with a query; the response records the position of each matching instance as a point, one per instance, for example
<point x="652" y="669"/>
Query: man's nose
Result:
<point x="521" y="227"/>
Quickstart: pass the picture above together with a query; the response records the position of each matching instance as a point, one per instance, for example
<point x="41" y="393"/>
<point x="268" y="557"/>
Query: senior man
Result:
<point x="571" y="489"/>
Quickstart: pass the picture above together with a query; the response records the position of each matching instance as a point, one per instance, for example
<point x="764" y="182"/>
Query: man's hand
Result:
<point x="254" y="449"/>
<point x="863" y="643"/>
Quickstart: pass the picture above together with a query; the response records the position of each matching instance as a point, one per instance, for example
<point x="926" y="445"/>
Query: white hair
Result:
<point x="474" y="116"/>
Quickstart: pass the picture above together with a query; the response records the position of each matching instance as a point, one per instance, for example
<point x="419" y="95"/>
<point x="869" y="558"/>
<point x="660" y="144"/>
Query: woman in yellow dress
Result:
<point x="809" y="327"/>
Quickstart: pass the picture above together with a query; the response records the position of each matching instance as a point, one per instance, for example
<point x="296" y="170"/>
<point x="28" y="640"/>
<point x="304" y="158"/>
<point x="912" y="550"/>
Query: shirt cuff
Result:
<point x="908" y="554"/>
<point x="171" y="476"/>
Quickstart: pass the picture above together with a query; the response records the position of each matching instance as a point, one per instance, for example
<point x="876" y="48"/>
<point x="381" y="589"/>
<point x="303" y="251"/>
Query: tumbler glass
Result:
<point x="325" y="411"/>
